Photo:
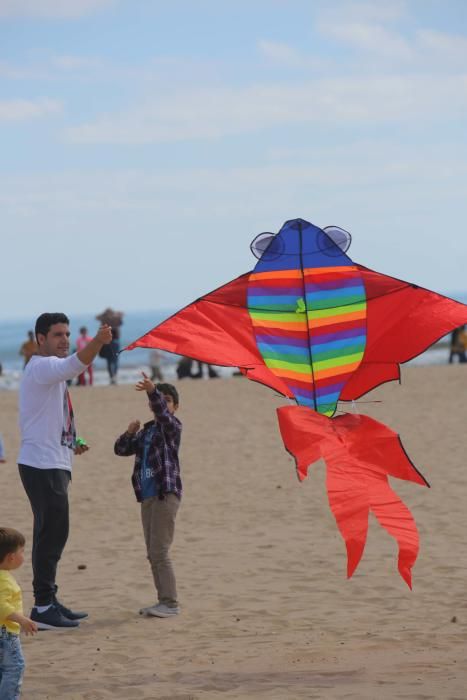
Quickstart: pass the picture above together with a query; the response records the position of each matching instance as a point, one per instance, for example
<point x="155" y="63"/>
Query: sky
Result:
<point x="144" y="144"/>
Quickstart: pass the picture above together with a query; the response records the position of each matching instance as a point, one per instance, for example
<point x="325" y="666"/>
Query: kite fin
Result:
<point x="397" y="520"/>
<point x="360" y="453"/>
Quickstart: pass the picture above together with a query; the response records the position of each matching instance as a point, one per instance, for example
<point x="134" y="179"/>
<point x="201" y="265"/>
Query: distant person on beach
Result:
<point x="48" y="443"/>
<point x="114" y="319"/>
<point x="157" y="485"/>
<point x="458" y="345"/>
<point x="155" y="365"/>
<point x="12" y="618"/>
<point x="28" y="348"/>
<point x="2" y="451"/>
<point x="82" y="340"/>
<point x="184" y="367"/>
<point x="212" y="374"/>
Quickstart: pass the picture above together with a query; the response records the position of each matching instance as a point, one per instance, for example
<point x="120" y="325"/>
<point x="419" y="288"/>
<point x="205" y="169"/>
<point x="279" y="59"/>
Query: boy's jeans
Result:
<point x="11" y="665"/>
<point x="158" y="517"/>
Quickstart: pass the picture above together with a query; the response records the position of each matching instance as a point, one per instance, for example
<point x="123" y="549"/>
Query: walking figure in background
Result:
<point x="184" y="367"/>
<point x="81" y="342"/>
<point x="2" y="451"/>
<point x="28" y="348"/>
<point x="212" y="374"/>
<point x="155" y="365"/>
<point x="114" y="319"/>
<point x="458" y="344"/>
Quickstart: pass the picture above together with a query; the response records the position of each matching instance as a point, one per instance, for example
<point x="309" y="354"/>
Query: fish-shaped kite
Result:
<point x="318" y="328"/>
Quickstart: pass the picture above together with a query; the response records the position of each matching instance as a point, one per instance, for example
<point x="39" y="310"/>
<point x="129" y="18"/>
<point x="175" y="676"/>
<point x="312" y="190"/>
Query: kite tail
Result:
<point x="360" y="453"/>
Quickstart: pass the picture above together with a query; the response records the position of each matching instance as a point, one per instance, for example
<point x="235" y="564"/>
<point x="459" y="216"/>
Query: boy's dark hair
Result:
<point x="45" y="321"/>
<point x="170" y="390"/>
<point x="10" y="541"/>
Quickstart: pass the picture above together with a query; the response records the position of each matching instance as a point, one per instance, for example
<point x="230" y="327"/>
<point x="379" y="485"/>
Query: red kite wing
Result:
<point x="403" y="320"/>
<point x="215" y="329"/>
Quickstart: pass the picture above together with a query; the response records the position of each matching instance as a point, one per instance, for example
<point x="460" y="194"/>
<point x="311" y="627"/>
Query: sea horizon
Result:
<point x="13" y="333"/>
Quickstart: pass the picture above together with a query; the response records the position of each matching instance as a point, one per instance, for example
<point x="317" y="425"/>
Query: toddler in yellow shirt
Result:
<point x="12" y="619"/>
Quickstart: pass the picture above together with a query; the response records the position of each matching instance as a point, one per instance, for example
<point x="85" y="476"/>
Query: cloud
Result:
<point x="384" y="166"/>
<point x="15" y="72"/>
<point x="23" y="110"/>
<point x="442" y="47"/>
<point x="394" y="200"/>
<point x="371" y="38"/>
<point x="366" y="12"/>
<point x="157" y="72"/>
<point x="77" y="63"/>
<point x="53" y="68"/>
<point x="67" y="9"/>
<point x="212" y="113"/>
<point x="366" y="32"/>
<point x="282" y="54"/>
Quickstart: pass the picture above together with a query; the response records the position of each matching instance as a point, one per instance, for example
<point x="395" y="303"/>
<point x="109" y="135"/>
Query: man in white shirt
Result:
<point x="48" y="442"/>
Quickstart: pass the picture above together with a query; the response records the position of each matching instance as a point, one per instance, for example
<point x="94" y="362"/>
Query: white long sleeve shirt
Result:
<point x="42" y="411"/>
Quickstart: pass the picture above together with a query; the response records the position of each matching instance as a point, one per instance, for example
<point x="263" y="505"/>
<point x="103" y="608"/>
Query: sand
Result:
<point x="267" y="611"/>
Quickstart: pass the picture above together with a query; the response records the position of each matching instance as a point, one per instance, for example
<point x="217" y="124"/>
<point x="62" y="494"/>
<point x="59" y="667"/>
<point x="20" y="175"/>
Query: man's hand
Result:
<point x="145" y="384"/>
<point x="80" y="449"/>
<point x="133" y="428"/>
<point x="89" y="352"/>
<point x="104" y="334"/>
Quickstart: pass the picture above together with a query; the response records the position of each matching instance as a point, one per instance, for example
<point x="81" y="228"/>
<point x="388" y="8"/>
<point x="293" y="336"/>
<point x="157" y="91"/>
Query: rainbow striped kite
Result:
<point x="309" y="322"/>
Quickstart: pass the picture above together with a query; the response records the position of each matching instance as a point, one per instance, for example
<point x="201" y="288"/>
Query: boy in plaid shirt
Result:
<point x="157" y="485"/>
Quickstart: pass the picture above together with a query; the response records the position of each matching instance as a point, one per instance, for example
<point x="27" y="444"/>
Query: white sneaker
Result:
<point x="144" y="611"/>
<point x="161" y="610"/>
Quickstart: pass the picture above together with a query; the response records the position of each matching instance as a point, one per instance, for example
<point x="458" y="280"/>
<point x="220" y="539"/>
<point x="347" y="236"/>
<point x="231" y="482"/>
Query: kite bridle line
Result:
<point x="306" y="312"/>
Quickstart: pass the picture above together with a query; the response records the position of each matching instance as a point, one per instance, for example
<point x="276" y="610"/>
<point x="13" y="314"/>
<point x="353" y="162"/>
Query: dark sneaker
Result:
<point x="52" y="619"/>
<point x="70" y="614"/>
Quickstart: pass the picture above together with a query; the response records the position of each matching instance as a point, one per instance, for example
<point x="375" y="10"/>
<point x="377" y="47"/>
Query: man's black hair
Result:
<point x="45" y="321"/>
<point x="170" y="390"/>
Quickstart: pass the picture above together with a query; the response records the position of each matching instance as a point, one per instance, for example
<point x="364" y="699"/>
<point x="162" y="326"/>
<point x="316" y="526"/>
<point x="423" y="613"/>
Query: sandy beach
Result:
<point x="267" y="611"/>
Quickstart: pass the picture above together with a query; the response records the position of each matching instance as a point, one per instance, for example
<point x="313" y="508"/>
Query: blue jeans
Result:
<point x="11" y="665"/>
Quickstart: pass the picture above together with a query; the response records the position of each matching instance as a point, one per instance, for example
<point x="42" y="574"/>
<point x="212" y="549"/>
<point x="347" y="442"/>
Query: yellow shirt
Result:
<point x="11" y="601"/>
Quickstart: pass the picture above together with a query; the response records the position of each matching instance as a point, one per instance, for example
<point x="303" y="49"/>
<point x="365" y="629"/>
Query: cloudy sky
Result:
<point x="145" y="143"/>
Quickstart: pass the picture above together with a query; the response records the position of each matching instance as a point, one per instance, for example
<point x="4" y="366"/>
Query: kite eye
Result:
<point x="334" y="241"/>
<point x="267" y="246"/>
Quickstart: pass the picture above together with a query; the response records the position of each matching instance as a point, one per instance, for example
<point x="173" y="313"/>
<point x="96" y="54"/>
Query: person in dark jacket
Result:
<point x="157" y="485"/>
<point x="458" y="345"/>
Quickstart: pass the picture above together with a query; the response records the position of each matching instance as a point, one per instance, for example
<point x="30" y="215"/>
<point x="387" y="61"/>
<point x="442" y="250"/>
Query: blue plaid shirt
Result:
<point x="160" y="457"/>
